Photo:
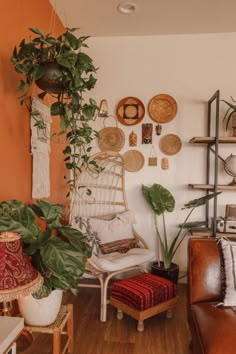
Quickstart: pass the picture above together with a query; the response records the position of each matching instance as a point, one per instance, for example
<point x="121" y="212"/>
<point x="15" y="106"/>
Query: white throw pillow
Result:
<point x="119" y="227"/>
<point x="229" y="258"/>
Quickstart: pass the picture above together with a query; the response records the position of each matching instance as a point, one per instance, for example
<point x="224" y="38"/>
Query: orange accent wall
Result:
<point x="16" y="162"/>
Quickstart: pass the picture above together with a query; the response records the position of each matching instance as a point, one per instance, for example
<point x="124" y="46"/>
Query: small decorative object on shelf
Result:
<point x="230" y="211"/>
<point x="158" y="129"/>
<point x="132" y="139"/>
<point x="147" y="133"/>
<point x="231" y="115"/>
<point x="230" y="168"/>
<point x="225" y="225"/>
<point x="164" y="163"/>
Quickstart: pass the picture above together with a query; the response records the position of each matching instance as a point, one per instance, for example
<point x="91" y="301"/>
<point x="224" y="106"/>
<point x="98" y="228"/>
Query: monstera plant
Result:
<point x="57" y="251"/>
<point x="161" y="201"/>
<point x="60" y="68"/>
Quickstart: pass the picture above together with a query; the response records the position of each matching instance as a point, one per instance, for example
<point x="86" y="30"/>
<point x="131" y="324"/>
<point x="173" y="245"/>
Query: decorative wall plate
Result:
<point x="170" y="144"/>
<point x="130" y="111"/>
<point x="162" y="108"/>
<point x="111" y="138"/>
<point x="133" y="160"/>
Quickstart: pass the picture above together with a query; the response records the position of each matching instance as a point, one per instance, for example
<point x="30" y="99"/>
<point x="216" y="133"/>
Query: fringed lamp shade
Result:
<point x="17" y="275"/>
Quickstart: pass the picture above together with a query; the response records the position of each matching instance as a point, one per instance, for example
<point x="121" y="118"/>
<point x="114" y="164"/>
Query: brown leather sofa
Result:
<point x="213" y="328"/>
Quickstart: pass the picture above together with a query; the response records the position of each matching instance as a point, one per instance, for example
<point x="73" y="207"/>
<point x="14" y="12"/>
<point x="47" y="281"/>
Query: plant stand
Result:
<point x="64" y="319"/>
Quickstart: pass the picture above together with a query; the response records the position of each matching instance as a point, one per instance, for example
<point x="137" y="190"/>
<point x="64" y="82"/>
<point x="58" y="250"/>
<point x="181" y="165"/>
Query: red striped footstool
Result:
<point x="143" y="296"/>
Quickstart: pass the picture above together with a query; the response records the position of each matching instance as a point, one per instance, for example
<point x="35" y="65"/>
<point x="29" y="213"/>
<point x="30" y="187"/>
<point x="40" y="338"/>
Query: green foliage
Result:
<point x="59" y="258"/>
<point x="76" y="73"/>
<point x="161" y="200"/>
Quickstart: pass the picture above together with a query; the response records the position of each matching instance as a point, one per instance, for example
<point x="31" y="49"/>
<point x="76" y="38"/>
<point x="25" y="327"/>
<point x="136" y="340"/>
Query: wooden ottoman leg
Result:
<point x="140" y="326"/>
<point x="56" y="341"/>
<point x="119" y="314"/>
<point x="169" y="314"/>
<point x="70" y="329"/>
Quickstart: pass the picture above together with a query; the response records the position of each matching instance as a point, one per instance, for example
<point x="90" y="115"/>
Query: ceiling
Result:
<point x="100" y="18"/>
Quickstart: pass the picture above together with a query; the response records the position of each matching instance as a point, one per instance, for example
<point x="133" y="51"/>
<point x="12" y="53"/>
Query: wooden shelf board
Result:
<point x="209" y="139"/>
<point x="208" y="233"/>
<point x="211" y="187"/>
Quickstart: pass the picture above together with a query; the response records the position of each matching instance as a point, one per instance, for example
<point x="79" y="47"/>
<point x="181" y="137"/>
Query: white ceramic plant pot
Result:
<point x="40" y="312"/>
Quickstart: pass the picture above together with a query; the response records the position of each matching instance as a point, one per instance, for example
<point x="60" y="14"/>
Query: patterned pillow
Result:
<point x="228" y="248"/>
<point x="111" y="233"/>
<point x="121" y="246"/>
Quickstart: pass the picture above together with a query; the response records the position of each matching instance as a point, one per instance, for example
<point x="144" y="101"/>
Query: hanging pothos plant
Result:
<point x="61" y="69"/>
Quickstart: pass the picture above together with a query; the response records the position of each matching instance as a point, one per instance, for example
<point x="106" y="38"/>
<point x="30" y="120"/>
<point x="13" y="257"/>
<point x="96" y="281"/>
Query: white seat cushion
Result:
<point x="118" y="261"/>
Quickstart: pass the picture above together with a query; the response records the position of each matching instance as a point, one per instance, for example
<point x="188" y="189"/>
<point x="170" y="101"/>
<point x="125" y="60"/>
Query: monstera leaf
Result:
<point x="159" y="198"/>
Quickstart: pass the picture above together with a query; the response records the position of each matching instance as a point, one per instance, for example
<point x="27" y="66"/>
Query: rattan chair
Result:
<point x="106" y="198"/>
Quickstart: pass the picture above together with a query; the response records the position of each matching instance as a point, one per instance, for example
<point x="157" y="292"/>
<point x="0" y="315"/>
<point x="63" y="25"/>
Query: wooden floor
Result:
<point x="161" y="335"/>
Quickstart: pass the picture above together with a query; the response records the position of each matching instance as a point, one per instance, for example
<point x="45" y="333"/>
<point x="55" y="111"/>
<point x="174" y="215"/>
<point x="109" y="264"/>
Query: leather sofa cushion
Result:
<point x="215" y="329"/>
<point x="204" y="271"/>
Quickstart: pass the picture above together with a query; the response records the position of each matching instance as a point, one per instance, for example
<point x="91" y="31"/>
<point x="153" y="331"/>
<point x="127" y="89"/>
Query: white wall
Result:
<point x="190" y="68"/>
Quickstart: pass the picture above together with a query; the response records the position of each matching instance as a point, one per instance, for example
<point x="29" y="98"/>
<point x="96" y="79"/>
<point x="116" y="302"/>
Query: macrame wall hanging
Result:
<point x="40" y="150"/>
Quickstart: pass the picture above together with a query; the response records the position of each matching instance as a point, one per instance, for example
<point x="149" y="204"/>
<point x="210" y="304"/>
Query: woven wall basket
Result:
<point x="111" y="138"/>
<point x="133" y="160"/>
<point x="162" y="108"/>
<point x="170" y="144"/>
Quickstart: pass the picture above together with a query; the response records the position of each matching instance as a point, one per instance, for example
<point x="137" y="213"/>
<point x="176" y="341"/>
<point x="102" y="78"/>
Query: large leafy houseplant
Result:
<point x="161" y="201"/>
<point x="57" y="251"/>
<point x="61" y="69"/>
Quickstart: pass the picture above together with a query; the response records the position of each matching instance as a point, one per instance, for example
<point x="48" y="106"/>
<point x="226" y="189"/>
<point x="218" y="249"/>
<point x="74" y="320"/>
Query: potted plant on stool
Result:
<point x="161" y="201"/>
<point x="57" y="251"/>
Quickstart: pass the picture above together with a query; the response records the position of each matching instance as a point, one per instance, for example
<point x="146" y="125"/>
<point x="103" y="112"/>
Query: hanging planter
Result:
<point x="60" y="68"/>
<point x="47" y="82"/>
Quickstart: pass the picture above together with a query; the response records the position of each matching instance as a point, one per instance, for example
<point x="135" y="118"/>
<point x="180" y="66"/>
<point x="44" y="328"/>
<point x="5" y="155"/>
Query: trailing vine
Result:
<point x="72" y="75"/>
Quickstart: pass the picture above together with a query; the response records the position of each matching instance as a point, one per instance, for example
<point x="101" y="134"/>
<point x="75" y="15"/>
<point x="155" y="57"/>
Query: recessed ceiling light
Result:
<point x="127" y="7"/>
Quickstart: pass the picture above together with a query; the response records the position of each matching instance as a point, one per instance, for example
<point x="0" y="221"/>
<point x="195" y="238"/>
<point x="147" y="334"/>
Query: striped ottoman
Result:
<point x="143" y="296"/>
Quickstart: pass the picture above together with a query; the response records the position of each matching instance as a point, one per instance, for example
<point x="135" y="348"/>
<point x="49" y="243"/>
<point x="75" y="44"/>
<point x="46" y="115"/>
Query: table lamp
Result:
<point x="17" y="275"/>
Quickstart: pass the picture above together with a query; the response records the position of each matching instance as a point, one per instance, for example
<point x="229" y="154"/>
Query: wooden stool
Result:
<point x="143" y="296"/>
<point x="64" y="318"/>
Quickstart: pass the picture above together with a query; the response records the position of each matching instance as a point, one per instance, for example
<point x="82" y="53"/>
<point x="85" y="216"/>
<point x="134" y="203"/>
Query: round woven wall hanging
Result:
<point x="162" y="108"/>
<point x="170" y="144"/>
<point x="111" y="138"/>
<point x="133" y="160"/>
<point x="130" y="111"/>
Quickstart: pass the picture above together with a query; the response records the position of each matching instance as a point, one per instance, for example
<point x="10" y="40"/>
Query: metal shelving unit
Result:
<point x="212" y="141"/>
